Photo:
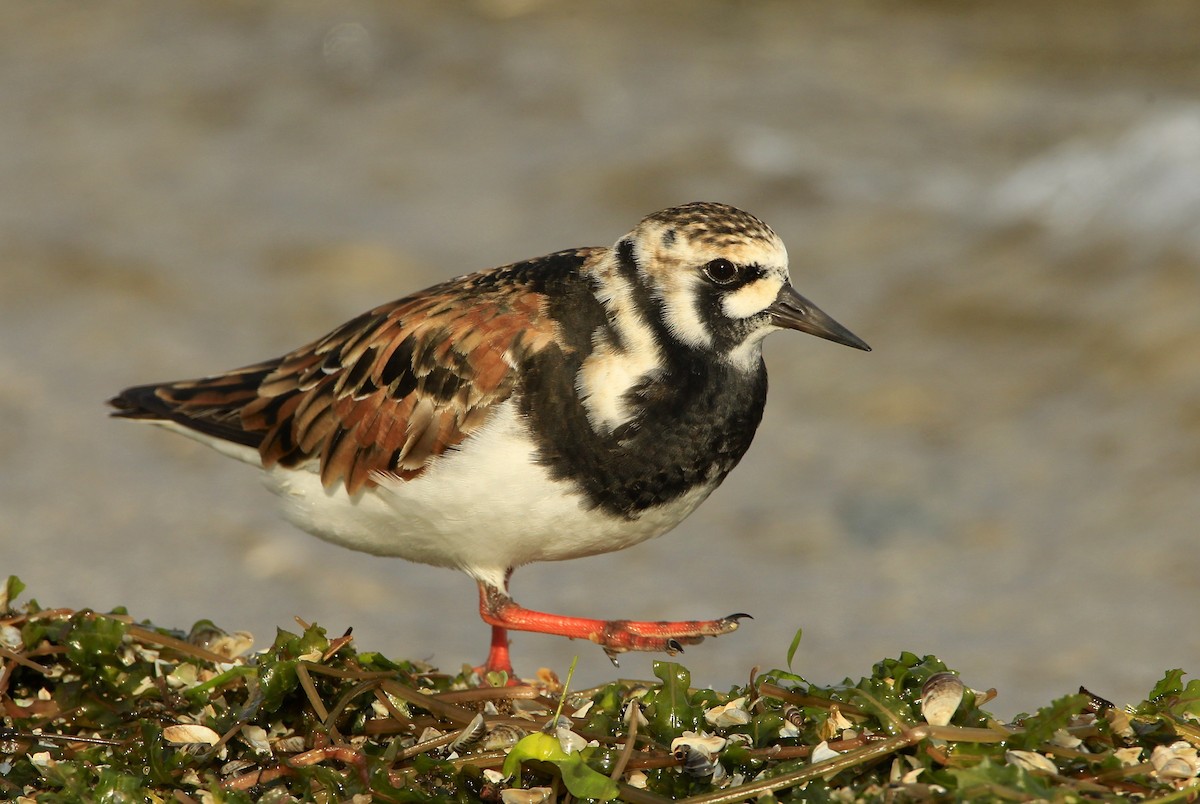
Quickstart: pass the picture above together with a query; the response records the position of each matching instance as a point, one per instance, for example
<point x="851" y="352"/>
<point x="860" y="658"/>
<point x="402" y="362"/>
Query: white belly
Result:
<point x="483" y="508"/>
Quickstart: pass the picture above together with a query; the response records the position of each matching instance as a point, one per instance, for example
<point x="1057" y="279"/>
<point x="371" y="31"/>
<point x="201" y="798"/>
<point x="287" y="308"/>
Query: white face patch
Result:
<point x="677" y="291"/>
<point x="755" y="297"/>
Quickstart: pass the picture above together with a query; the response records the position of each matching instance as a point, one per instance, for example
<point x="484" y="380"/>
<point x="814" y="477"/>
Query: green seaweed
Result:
<point x="97" y="707"/>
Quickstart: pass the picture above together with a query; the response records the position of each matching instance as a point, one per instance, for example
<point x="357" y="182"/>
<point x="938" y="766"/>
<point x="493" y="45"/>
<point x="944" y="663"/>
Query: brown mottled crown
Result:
<point x="712" y="224"/>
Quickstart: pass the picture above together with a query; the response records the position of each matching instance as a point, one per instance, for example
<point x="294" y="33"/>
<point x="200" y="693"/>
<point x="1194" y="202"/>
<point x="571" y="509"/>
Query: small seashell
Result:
<point x="502" y="735"/>
<point x="190" y="733"/>
<point x="144" y="686"/>
<point x="10" y="637"/>
<point x="1128" y="757"/>
<point x="789" y="730"/>
<point x="697" y="752"/>
<point x="1178" y="760"/>
<point x="1066" y="739"/>
<point x="232" y="645"/>
<point x="470" y="736"/>
<point x="256" y="738"/>
<point x="184" y="675"/>
<point x="709" y="743"/>
<point x="570" y="741"/>
<point x="834" y="724"/>
<point x="695" y="761"/>
<point x="633" y="711"/>
<point x="821" y="752"/>
<point x="1030" y="761"/>
<point x="428" y="733"/>
<point x="733" y="713"/>
<point x="236" y="766"/>
<point x="293" y="744"/>
<point x="637" y="779"/>
<point x="522" y="707"/>
<point x="534" y="795"/>
<point x="905" y="770"/>
<point x="583" y="710"/>
<point x="1119" y="721"/>
<point x="940" y="698"/>
<point x="492" y="775"/>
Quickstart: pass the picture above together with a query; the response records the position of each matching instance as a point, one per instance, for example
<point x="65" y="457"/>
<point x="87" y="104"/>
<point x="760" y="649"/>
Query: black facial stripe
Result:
<point x="649" y="307"/>
<point x="727" y="333"/>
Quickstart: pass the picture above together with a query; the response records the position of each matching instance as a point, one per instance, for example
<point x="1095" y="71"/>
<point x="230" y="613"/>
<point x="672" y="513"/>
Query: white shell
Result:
<point x="733" y="713"/>
<point x="256" y="738"/>
<point x="1030" y="761"/>
<point x="570" y="741"/>
<point x="706" y="743"/>
<point x="1178" y="760"/>
<point x="534" y="795"/>
<point x="940" y="698"/>
<point x="821" y="752"/>
<point x="10" y="637"/>
<point x="1066" y="739"/>
<point x="1128" y="757"/>
<point x="190" y="733"/>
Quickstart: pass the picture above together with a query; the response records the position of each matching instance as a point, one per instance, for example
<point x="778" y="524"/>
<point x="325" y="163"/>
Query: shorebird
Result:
<point x="563" y="406"/>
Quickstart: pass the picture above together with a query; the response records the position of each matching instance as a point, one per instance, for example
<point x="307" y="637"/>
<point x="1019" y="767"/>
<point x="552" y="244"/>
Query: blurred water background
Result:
<point x="1002" y="198"/>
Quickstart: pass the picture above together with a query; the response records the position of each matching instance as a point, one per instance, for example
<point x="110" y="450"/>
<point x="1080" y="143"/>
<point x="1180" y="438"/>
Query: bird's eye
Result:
<point x="721" y="271"/>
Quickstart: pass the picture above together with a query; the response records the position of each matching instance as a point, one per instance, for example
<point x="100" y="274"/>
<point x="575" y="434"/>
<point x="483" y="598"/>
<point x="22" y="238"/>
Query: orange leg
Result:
<point x="498" y="659"/>
<point x="614" y="636"/>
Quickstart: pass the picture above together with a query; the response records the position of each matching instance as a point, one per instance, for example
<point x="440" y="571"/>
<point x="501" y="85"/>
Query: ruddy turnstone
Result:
<point x="563" y="406"/>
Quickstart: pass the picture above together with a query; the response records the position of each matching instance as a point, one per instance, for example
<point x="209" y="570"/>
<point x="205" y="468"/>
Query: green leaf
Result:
<point x="582" y="781"/>
<point x="994" y="782"/>
<point x="1171" y="696"/>
<point x="668" y="708"/>
<point x="1171" y="684"/>
<point x="12" y="590"/>
<point x="792" y="649"/>
<point x="1040" y="727"/>
<point x="93" y="640"/>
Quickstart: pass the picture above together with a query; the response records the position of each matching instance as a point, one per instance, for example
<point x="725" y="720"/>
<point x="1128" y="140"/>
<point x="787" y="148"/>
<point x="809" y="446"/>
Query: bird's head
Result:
<point x="717" y="280"/>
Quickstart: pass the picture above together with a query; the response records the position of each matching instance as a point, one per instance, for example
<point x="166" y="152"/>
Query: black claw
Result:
<point x="673" y="646"/>
<point x="739" y="616"/>
<point x="612" y="657"/>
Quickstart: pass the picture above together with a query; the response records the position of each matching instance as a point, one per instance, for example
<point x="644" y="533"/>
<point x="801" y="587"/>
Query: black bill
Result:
<point x="793" y="311"/>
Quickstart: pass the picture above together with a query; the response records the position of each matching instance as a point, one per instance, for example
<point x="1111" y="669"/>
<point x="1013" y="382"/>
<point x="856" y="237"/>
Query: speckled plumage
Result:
<point x="562" y="406"/>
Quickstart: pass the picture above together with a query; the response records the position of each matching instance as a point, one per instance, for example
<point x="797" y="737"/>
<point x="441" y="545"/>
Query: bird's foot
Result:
<point x="614" y="636"/>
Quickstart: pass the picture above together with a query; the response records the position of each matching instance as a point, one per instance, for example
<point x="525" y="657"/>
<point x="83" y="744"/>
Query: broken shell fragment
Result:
<point x="940" y="698"/>
<point x="733" y="713"/>
<point x="1030" y="761"/>
<point x="190" y="733"/>
<point x="1178" y="760"/>
<point x="534" y="795"/>
<point x="821" y="752"/>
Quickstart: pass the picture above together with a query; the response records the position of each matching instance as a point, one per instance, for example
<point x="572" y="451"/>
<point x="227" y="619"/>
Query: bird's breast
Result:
<point x="677" y="428"/>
